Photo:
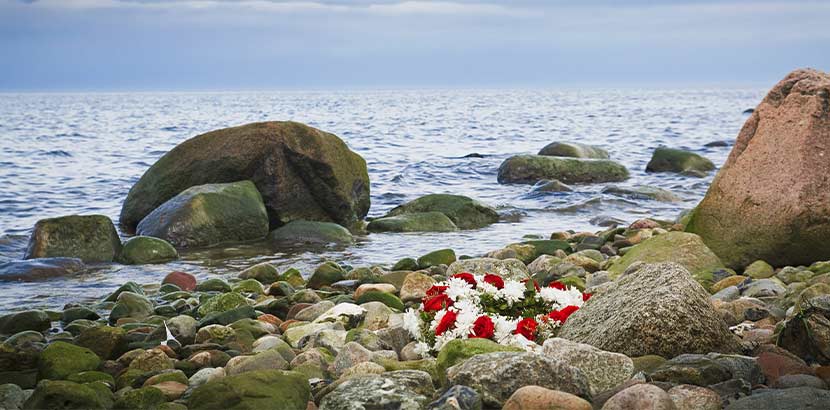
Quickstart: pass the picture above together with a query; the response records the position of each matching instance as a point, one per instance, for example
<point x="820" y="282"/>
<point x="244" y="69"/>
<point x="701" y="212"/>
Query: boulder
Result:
<point x="642" y="193"/>
<point x="604" y="370"/>
<point x="797" y="398"/>
<point x="61" y="359"/>
<point x="413" y="222"/>
<point x="206" y="215"/>
<point x="436" y="258"/>
<point x="374" y="392"/>
<point x="90" y="238"/>
<point x="458" y="350"/>
<point x="574" y="150"/>
<point x="540" y="398"/>
<point x="507" y="268"/>
<point x="36" y="320"/>
<point x="529" y="169"/>
<point x="496" y="376"/>
<point x="666" y="313"/>
<point x="683" y="248"/>
<point x="641" y="397"/>
<point x="311" y="232"/>
<point x="60" y="394"/>
<point x="771" y="199"/>
<point x="264" y="272"/>
<point x="260" y="389"/>
<point x="301" y="172"/>
<point x="140" y="250"/>
<point x="675" y="160"/>
<point x="464" y="212"/>
<point x="39" y="269"/>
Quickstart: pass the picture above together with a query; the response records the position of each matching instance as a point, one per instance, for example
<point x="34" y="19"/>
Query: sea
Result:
<point x="79" y="153"/>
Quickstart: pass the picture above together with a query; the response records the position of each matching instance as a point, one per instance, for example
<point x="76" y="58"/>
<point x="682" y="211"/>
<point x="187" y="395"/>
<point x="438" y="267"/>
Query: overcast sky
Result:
<point x="270" y="44"/>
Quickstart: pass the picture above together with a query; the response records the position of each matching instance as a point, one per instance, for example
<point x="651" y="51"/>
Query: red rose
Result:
<point x="586" y="296"/>
<point x="562" y="314"/>
<point x="436" y="290"/>
<point x="527" y="328"/>
<point x="466" y="277"/>
<point x="483" y="328"/>
<point x="494" y="280"/>
<point x="436" y="303"/>
<point x="557" y="285"/>
<point x="447" y="321"/>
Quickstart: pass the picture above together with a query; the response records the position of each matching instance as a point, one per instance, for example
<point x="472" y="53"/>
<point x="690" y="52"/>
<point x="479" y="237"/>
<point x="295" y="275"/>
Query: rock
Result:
<point x="153" y="360"/>
<point x="799" y="380"/>
<point x="269" y="359"/>
<point x="551" y="186"/>
<point x="496" y="376"/>
<point x="604" y="370"/>
<point x="688" y="397"/>
<point x="184" y="281"/>
<point x="528" y="251"/>
<point x="405" y="264"/>
<point x="221" y="303"/>
<point x="507" y="268"/>
<point x="213" y="285"/>
<point x="540" y="398"/>
<point x="61" y="359"/>
<point x="435" y="258"/>
<point x="464" y="212"/>
<point x="458" y="350"/>
<point x="39" y="269"/>
<point x="695" y="369"/>
<point x="248" y="287"/>
<point x="106" y="342"/>
<point x="140" y="250"/>
<point x="36" y="320"/>
<point x="776" y="362"/>
<point x="415" y="286"/>
<point x="325" y="274"/>
<point x="780" y="216"/>
<point x="759" y="270"/>
<point x="131" y="305"/>
<point x="457" y="398"/>
<point x="253" y="390"/>
<point x="363" y="369"/>
<point x="807" y="334"/>
<point x="642" y="193"/>
<point x="351" y="354"/>
<point x="374" y="287"/>
<point x="311" y="232"/>
<point x="145" y="398"/>
<point x="799" y="398"/>
<point x="60" y="394"/>
<point x="574" y="150"/>
<point x="641" y="397"/>
<point x="668" y="313"/>
<point x="763" y="288"/>
<point x="373" y="392"/>
<point x="674" y="160"/>
<point x="207" y="215"/>
<point x="90" y="238"/>
<point x="11" y="396"/>
<point x="413" y="222"/>
<point x="263" y="272"/>
<point x="683" y="248"/>
<point x="529" y="169"/>
<point x="171" y="390"/>
<point x="301" y="172"/>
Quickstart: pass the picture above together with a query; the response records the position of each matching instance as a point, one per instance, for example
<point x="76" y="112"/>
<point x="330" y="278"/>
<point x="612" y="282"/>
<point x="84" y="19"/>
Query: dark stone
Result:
<point x="39" y="269"/>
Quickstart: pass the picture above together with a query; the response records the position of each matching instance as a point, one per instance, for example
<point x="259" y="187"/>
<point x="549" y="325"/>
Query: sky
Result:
<point x="159" y="45"/>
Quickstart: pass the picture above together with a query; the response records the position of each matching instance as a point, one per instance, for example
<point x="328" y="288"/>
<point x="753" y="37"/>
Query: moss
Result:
<point x="529" y="169"/>
<point x="387" y="299"/>
<point x="140" y="250"/>
<point x="759" y="270"/>
<point x="305" y="232"/>
<point x="91" y="238"/>
<point x="293" y="277"/>
<point x="221" y="303"/>
<point x="253" y="390"/>
<point x="248" y="286"/>
<point x="264" y="272"/>
<point x="435" y="258"/>
<point x="325" y="274"/>
<point x="675" y="160"/>
<point x="680" y="247"/>
<point x="92" y="376"/>
<point x="213" y="285"/>
<point x="60" y="359"/>
<point x="574" y="150"/>
<point x="406" y="264"/>
<point x="464" y="212"/>
<point x="413" y="222"/>
<point x="145" y="398"/>
<point x="459" y="350"/>
<point x="67" y="395"/>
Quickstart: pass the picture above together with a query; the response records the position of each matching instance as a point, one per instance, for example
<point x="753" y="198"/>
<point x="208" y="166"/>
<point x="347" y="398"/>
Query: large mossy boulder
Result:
<point x="36" y="320"/>
<point x="414" y="222"/>
<point x="771" y="199"/>
<point x="311" y="232"/>
<point x="66" y="395"/>
<point x="683" y="248"/>
<point x="261" y="389"/>
<point x="658" y="309"/>
<point x="31" y="270"/>
<point x="464" y="212"/>
<point x="675" y="160"/>
<point x="140" y="250"/>
<point x="301" y="172"/>
<point x="530" y="169"/>
<point x="574" y="150"/>
<point x="61" y="359"/>
<point x="90" y="238"/>
<point x="207" y="215"/>
<point x="459" y="350"/>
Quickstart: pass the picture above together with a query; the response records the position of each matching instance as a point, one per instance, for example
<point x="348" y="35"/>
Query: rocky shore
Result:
<point x="726" y="307"/>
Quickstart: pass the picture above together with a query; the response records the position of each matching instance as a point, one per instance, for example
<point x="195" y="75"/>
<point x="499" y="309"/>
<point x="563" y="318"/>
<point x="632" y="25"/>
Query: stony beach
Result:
<point x="727" y="306"/>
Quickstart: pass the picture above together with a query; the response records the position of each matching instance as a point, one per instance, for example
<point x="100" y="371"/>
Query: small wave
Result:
<point x="56" y="153"/>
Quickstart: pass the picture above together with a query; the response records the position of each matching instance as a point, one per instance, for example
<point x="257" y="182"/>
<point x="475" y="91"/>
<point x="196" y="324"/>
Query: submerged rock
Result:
<point x="642" y="192"/>
<point x="141" y="250"/>
<point x="573" y="149"/>
<point x="529" y="169"/>
<point x="769" y="200"/>
<point x="667" y="314"/>
<point x="301" y="172"/>
<point x="464" y="212"/>
<point x="413" y="222"/>
<point x="311" y="232"/>
<point x="207" y="215"/>
<point x="675" y="160"/>
<point x="39" y="269"/>
<point x="90" y="238"/>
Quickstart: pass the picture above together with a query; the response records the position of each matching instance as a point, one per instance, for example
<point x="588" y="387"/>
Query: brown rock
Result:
<point x="771" y="199"/>
<point x="172" y="390"/>
<point x="374" y="287"/>
<point x="540" y="398"/>
<point x="776" y="362"/>
<point x="689" y="397"/>
<point x="640" y="397"/>
<point x="184" y="281"/>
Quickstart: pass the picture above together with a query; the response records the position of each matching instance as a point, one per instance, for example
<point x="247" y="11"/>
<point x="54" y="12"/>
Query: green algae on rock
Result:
<point x="91" y="238"/>
<point x="680" y="247"/>
<point x="675" y="160"/>
<point x="464" y="212"/>
<point x="529" y="169"/>
<point x="573" y="150"/>
<point x="140" y="250"/>
<point x="253" y="390"/>
<point x="413" y="222"/>
<point x="311" y="232"/>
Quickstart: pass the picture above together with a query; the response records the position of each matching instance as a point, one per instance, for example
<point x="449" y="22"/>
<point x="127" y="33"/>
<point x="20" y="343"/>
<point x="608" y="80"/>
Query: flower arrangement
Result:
<point x="510" y="312"/>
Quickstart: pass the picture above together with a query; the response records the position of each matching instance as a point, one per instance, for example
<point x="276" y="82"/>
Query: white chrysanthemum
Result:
<point x="440" y="341"/>
<point x="412" y="323"/>
<point x="421" y="349"/>
<point x="468" y="312"/>
<point x="489" y="289"/>
<point x="513" y="291"/>
<point x="562" y="298"/>
<point x="437" y="319"/>
<point x="504" y="327"/>
<point x="458" y="289"/>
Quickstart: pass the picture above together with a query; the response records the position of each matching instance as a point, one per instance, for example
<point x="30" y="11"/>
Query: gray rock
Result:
<point x="457" y="398"/>
<point x="373" y="392"/>
<point x="507" y="268"/>
<point x="688" y="397"/>
<point x="727" y="294"/>
<point x="763" y="288"/>
<point x="695" y="369"/>
<point x="39" y="269"/>
<point x="351" y="354"/>
<point x="11" y="397"/>
<point x="90" y="238"/>
<point x="667" y="313"/>
<point x="573" y="150"/>
<point x="798" y="398"/>
<point x="640" y="397"/>
<point x="269" y="359"/>
<point x="790" y="381"/>
<point x="642" y="192"/>
<point x="604" y="370"/>
<point x="311" y="232"/>
<point x="497" y="375"/>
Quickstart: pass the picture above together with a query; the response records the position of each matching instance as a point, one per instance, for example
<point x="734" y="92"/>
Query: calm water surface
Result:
<point x="80" y="153"/>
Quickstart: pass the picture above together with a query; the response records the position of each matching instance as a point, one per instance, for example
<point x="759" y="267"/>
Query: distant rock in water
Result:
<point x="140" y="250"/>
<point x="475" y="155"/>
<point x="529" y="169"/>
<point x="39" y="269"/>
<point x="749" y="111"/>
<point x="574" y="150"/>
<point x="680" y="161"/>
<point x="771" y="199"/>
<point x="551" y="186"/>
<point x="301" y="172"/>
<point x="304" y="232"/>
<point x="642" y="192"/>
<point x="207" y="215"/>
<point x="413" y="222"/>
<point x="91" y="238"/>
<point x="717" y="144"/>
<point x="464" y="212"/>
